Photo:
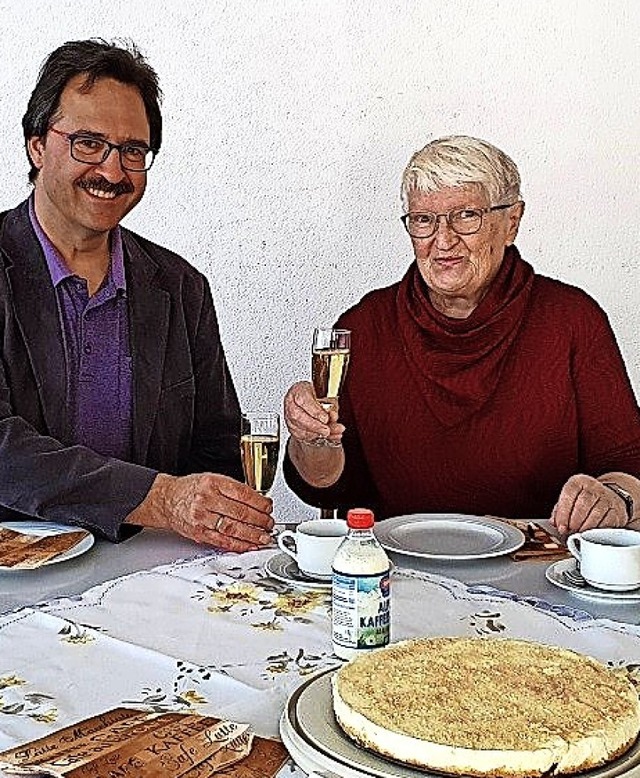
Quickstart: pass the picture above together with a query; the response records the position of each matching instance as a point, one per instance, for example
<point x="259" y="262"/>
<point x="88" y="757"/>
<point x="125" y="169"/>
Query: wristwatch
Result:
<point x="628" y="499"/>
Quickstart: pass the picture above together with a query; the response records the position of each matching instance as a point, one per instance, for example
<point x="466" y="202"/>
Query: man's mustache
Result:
<point x="100" y="183"/>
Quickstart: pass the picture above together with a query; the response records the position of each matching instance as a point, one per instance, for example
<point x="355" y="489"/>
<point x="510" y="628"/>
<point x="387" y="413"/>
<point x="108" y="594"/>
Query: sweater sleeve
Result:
<point x="608" y="415"/>
<point x="42" y="478"/>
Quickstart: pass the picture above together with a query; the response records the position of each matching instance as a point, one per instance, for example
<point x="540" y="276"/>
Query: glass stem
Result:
<point x="327" y="513"/>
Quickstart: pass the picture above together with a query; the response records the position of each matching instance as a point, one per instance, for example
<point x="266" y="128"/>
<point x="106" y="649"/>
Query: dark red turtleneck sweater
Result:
<point x="485" y="415"/>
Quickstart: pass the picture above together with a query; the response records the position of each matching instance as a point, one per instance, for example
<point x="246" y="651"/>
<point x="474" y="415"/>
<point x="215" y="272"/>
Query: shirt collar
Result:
<point x="58" y="269"/>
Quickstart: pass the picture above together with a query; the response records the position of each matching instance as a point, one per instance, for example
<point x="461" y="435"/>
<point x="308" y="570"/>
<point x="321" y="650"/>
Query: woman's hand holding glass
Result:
<point x="307" y="420"/>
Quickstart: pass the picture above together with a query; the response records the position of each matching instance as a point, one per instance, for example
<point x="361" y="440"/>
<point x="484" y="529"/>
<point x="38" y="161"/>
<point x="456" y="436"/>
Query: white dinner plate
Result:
<point x="317" y="725"/>
<point x="555" y="574"/>
<point x="40" y="529"/>
<point x="282" y="567"/>
<point x="316" y="742"/>
<point x="447" y="536"/>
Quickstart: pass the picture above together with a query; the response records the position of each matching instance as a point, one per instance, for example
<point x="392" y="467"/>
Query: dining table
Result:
<point x="159" y="623"/>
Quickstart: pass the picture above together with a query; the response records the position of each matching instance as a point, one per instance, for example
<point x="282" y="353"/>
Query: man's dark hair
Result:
<point x="97" y="59"/>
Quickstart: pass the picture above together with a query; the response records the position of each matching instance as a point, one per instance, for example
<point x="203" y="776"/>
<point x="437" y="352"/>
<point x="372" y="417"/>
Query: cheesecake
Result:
<point x="487" y="707"/>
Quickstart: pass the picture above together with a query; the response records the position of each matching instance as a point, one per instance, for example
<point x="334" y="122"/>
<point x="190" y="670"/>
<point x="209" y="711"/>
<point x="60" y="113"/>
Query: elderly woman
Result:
<point x="475" y="384"/>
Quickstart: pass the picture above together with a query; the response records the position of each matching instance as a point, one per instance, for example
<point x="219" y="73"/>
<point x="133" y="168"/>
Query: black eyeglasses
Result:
<point x="136" y="157"/>
<point x="463" y="221"/>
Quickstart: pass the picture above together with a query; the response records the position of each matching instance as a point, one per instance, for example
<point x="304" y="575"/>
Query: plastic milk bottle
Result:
<point x="360" y="589"/>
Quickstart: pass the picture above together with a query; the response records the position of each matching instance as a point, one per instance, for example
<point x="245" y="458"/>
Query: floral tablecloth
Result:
<point x="217" y="636"/>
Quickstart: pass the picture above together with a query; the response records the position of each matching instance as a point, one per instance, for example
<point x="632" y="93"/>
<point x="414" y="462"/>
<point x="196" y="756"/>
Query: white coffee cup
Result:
<point x="314" y="544"/>
<point x="609" y="558"/>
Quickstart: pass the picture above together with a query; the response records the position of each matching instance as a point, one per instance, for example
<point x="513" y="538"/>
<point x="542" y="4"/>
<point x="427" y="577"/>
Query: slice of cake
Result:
<point x="487" y="707"/>
<point x="21" y="550"/>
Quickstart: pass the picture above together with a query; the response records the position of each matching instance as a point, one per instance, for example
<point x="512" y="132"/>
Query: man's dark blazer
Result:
<point x="185" y="408"/>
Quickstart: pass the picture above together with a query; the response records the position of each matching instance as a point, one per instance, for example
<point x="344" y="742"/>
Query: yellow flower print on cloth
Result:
<point x="273" y="605"/>
<point x="191" y="697"/>
<point x="180" y="695"/>
<point x="293" y="606"/>
<point x="297" y="603"/>
<point x="20" y="702"/>
<point x="10" y="680"/>
<point x="237" y="593"/>
<point x="76" y="634"/>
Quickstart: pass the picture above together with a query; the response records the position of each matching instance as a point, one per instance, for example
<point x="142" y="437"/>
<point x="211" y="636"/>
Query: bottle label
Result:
<point x="360" y="610"/>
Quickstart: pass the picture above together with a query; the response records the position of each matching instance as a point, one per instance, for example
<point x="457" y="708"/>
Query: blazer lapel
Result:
<point x="149" y="306"/>
<point x="36" y="311"/>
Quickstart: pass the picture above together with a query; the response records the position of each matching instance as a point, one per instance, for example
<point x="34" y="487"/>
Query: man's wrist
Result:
<point x="149" y="512"/>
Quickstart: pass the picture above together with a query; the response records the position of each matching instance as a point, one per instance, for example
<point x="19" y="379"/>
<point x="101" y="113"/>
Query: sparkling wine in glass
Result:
<point x="259" y="448"/>
<point x="329" y="362"/>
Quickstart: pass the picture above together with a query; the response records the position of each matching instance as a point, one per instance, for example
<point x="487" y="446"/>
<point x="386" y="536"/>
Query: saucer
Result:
<point x="555" y="574"/>
<point x="283" y="568"/>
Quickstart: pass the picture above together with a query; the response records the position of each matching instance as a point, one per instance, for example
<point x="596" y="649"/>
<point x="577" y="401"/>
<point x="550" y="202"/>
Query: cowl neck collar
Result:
<point x="459" y="362"/>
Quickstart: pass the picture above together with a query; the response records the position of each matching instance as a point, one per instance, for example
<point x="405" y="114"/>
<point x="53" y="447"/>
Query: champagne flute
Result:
<point x="259" y="448"/>
<point x="329" y="362"/>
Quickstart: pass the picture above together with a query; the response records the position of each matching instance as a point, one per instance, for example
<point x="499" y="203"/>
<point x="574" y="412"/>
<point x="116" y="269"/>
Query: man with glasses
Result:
<point x="474" y="385"/>
<point x="117" y="408"/>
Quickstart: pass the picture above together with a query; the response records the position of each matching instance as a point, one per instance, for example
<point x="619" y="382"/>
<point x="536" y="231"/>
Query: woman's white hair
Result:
<point x="459" y="160"/>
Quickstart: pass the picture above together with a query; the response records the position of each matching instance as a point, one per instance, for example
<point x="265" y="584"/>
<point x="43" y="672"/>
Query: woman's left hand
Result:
<point x="585" y="503"/>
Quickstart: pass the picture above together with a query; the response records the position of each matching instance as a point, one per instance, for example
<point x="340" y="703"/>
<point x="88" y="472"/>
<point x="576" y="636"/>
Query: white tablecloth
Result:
<point x="216" y="636"/>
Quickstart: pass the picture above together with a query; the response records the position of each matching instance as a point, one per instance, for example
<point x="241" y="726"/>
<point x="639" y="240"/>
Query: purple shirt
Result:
<point x="96" y="343"/>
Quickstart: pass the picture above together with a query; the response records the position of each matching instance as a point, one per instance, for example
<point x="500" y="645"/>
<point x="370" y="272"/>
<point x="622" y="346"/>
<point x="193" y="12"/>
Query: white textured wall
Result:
<point x="288" y="124"/>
